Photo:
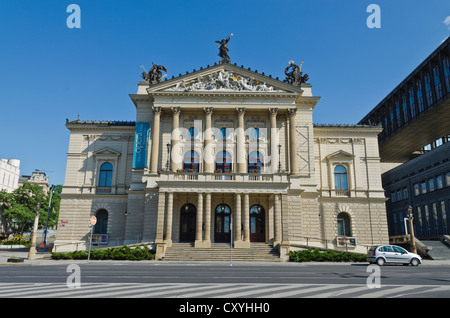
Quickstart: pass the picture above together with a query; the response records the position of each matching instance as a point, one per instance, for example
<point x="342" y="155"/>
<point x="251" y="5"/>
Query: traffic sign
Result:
<point x="93" y="220"/>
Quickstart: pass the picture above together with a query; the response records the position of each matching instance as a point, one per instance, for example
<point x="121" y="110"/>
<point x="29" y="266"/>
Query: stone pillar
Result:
<point x="168" y="238"/>
<point x="208" y="160"/>
<point x="293" y="141"/>
<point x="273" y="139"/>
<point x="199" y="221"/>
<point x="207" y="237"/>
<point x="246" y="214"/>
<point x="155" y="140"/>
<point x="240" y="140"/>
<point x="175" y="153"/>
<point x="237" y="220"/>
<point x="160" y="217"/>
<point x="277" y="220"/>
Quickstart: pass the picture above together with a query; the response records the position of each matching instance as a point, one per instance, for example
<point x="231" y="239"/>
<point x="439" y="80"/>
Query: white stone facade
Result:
<point x="9" y="174"/>
<point x="203" y="153"/>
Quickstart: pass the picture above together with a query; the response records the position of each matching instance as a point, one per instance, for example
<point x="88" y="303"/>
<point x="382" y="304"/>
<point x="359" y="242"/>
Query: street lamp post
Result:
<point x="48" y="213"/>
<point x="411" y="229"/>
<point x="32" y="251"/>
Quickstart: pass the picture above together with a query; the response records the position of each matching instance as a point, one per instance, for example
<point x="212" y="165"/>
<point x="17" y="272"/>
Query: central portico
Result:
<point x="223" y="147"/>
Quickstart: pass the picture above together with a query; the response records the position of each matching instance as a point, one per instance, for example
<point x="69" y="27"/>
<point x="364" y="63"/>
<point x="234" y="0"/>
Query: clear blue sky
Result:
<point x="49" y="72"/>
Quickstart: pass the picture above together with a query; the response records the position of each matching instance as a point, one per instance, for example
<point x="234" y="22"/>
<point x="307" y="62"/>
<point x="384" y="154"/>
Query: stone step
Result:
<point x="258" y="252"/>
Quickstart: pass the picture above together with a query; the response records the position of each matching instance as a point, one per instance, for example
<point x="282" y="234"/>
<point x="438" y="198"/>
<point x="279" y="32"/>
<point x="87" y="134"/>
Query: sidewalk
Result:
<point x="45" y="259"/>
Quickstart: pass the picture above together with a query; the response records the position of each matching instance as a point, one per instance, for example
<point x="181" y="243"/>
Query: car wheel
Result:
<point x="380" y="261"/>
<point x="415" y="262"/>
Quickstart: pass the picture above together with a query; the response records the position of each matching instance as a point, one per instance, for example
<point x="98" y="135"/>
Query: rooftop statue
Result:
<point x="223" y="49"/>
<point x="154" y="75"/>
<point x="295" y="76"/>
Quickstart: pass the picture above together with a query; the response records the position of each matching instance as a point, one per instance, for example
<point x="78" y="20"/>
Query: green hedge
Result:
<point x="317" y="255"/>
<point x="138" y="253"/>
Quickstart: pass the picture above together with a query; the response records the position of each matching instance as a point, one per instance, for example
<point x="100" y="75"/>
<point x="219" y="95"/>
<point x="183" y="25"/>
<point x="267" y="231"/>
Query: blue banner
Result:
<point x="141" y="145"/>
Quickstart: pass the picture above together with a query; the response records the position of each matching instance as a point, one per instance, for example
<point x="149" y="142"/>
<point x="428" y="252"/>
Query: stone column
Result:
<point x="277" y="219"/>
<point x="207" y="237"/>
<point x="199" y="223"/>
<point x="237" y="220"/>
<point x="208" y="160"/>
<point x="293" y="141"/>
<point x="273" y="139"/>
<point x="155" y="139"/>
<point x="175" y="153"/>
<point x="240" y="140"/>
<point x="168" y="238"/>
<point x="246" y="214"/>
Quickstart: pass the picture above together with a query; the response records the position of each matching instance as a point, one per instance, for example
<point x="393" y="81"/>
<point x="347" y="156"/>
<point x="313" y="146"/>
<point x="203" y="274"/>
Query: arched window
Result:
<point x="191" y="161"/>
<point x="340" y="178"/>
<point x="106" y="171"/>
<point x="255" y="134"/>
<point x="101" y="227"/>
<point x="192" y="132"/>
<point x="223" y="161"/>
<point x="224" y="133"/>
<point x="255" y="162"/>
<point x="343" y="222"/>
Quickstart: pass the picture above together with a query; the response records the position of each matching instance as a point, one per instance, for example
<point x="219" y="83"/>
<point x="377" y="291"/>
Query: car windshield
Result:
<point x="399" y="249"/>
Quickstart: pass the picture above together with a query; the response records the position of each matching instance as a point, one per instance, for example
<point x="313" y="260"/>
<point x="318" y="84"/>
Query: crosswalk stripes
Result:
<point x="222" y="290"/>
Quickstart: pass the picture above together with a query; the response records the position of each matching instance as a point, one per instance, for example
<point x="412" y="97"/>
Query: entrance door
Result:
<point x="222" y="229"/>
<point x="257" y="224"/>
<point x="187" y="224"/>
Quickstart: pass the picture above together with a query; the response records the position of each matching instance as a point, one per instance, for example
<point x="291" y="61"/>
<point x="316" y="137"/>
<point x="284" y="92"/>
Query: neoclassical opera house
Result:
<point x="219" y="155"/>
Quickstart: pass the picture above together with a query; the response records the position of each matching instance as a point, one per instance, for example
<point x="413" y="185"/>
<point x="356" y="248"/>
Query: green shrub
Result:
<point x="115" y="253"/>
<point x="317" y="255"/>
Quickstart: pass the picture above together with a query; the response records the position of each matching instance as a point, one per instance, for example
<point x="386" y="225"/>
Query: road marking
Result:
<point x="221" y="290"/>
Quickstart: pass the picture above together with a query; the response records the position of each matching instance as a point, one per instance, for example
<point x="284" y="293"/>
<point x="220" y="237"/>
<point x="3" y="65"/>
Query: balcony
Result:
<point x="226" y="177"/>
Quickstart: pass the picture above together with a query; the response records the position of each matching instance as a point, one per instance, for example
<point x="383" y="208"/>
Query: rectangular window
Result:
<point x="431" y="184"/>
<point x="435" y="219"/>
<point x="405" y="108"/>
<point x="419" y="218"/>
<point x="393" y="197"/>
<point x="405" y="193"/>
<point x="411" y="103"/>
<point x="427" y="219"/>
<point x="424" y="187"/>
<point x="399" y="195"/>
<point x="447" y="179"/>
<point x="437" y="82"/>
<point x="447" y="72"/>
<point x="439" y="182"/>
<point x="444" y="218"/>
<point x="416" y="189"/>
<point x="419" y="95"/>
<point x="428" y="93"/>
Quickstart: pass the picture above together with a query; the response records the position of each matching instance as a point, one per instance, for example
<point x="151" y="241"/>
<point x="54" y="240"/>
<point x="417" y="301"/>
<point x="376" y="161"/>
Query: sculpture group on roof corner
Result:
<point x="294" y="75"/>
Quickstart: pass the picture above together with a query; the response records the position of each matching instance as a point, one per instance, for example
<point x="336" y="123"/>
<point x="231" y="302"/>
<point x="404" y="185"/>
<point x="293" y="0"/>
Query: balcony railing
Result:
<point x="223" y="177"/>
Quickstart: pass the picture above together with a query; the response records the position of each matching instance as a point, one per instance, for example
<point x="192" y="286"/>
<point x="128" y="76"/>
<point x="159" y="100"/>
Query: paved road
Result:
<point x="174" y="280"/>
<point x="121" y="279"/>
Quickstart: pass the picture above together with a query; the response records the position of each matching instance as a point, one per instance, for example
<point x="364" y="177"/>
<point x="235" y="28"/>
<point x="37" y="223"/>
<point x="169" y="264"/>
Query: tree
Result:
<point x="19" y="207"/>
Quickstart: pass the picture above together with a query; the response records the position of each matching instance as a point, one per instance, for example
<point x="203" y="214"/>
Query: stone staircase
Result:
<point x="220" y="252"/>
<point x="437" y="250"/>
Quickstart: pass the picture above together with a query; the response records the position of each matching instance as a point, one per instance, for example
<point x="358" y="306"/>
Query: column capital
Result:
<point x="156" y="110"/>
<point x="292" y="112"/>
<point x="176" y="110"/>
<point x="273" y="112"/>
<point x="240" y="111"/>
<point x="208" y="110"/>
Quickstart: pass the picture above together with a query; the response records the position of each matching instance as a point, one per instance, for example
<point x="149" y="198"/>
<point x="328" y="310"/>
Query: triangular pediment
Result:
<point x="340" y="154"/>
<point x="106" y="152"/>
<point x="224" y="78"/>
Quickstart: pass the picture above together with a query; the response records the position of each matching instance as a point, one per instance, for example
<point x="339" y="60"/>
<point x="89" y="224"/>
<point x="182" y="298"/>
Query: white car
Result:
<point x="382" y="254"/>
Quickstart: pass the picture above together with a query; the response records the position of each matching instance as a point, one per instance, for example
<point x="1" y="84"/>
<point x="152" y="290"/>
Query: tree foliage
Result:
<point x="19" y="207"/>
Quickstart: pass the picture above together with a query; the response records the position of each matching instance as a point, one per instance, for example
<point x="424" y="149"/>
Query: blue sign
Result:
<point x="141" y="145"/>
